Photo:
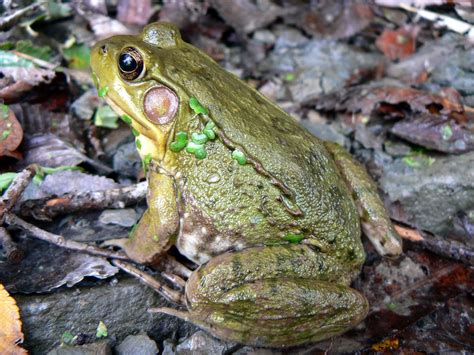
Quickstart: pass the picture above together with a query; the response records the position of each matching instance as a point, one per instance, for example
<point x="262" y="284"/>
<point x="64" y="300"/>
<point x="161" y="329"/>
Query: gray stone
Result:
<point x="320" y="67"/>
<point x="202" y="343"/>
<point x="325" y="132"/>
<point x="137" y="345"/>
<point x="126" y="217"/>
<point x="430" y="197"/>
<point x="86" y="104"/>
<point x="122" y="307"/>
<point x="126" y="160"/>
<point x="99" y="348"/>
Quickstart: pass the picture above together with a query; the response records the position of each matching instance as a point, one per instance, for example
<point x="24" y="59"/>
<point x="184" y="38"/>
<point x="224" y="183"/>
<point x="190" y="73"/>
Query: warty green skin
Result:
<point x="253" y="286"/>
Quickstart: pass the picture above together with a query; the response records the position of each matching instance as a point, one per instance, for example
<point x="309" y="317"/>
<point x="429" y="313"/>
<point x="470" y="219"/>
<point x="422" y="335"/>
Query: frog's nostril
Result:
<point x="103" y="49"/>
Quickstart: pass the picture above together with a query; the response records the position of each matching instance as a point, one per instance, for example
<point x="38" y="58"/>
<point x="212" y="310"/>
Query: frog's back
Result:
<point x="311" y="191"/>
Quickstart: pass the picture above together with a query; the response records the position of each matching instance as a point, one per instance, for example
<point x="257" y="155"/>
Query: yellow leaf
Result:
<point x="10" y="331"/>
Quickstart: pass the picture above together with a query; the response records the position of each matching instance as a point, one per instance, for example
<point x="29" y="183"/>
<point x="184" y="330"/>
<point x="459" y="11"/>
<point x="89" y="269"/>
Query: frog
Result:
<point x="271" y="216"/>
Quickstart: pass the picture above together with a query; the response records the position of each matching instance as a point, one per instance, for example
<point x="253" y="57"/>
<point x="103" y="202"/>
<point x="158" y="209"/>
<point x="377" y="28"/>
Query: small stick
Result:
<point x="13" y="252"/>
<point x="59" y="240"/>
<point x="165" y="291"/>
<point x="16" y="188"/>
<point x="50" y="207"/>
<point x="448" y="248"/>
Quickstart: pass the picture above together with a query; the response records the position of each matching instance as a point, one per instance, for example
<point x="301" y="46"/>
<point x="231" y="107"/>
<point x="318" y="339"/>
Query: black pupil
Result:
<point x="127" y="63"/>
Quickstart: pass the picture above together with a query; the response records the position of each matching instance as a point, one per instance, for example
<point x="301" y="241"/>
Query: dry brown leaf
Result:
<point x="10" y="331"/>
<point x="17" y="80"/>
<point x="11" y="135"/>
<point x="397" y="44"/>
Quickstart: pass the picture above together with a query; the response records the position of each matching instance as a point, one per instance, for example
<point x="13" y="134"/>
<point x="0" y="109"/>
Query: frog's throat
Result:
<point x="288" y="198"/>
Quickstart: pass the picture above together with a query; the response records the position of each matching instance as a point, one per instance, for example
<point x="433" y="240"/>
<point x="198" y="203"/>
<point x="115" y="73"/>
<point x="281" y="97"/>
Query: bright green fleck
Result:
<point x="103" y="91"/>
<point x="211" y="135"/>
<point x="101" y="330"/>
<point x="68" y="338"/>
<point x="106" y="117"/>
<point x="138" y="144"/>
<point x="239" y="156"/>
<point x="181" y="139"/>
<point x="411" y="162"/>
<point x="146" y="161"/>
<point x="391" y="306"/>
<point x="42" y="171"/>
<point x="197" y="107"/>
<point x="293" y="238"/>
<point x="3" y="111"/>
<point x="5" y="180"/>
<point x="209" y="131"/>
<point x="199" y="138"/>
<point x="193" y="147"/>
<point x="177" y="146"/>
<point x="5" y="134"/>
<point x="446" y="132"/>
<point x="181" y="136"/>
<point x="135" y="132"/>
<point x="126" y="119"/>
<point x="155" y="238"/>
<point x="210" y="125"/>
<point x="289" y="77"/>
<point x="200" y="153"/>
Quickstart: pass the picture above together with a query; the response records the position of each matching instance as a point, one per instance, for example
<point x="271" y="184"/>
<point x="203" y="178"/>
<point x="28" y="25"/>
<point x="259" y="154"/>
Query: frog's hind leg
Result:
<point x="375" y="222"/>
<point x="273" y="296"/>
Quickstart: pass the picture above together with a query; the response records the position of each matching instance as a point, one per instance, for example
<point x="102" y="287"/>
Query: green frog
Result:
<point x="271" y="215"/>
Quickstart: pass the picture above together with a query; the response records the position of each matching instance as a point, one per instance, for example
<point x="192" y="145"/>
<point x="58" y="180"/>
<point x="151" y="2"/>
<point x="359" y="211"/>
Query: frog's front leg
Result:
<point x="375" y="222"/>
<point x="273" y="296"/>
<point x="157" y="229"/>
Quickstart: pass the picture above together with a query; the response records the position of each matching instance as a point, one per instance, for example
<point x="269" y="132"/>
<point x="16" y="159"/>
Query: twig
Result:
<point x="452" y="24"/>
<point x="50" y="207"/>
<point x="13" y="252"/>
<point x="448" y="248"/>
<point x="59" y="240"/>
<point x="165" y="291"/>
<point x="16" y="188"/>
<point x="8" y="21"/>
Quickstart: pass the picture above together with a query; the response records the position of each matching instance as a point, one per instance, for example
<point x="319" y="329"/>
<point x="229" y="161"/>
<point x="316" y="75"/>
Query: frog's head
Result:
<point x="131" y="71"/>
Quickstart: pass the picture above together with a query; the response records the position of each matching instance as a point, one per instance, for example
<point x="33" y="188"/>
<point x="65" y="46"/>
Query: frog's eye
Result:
<point x="130" y="63"/>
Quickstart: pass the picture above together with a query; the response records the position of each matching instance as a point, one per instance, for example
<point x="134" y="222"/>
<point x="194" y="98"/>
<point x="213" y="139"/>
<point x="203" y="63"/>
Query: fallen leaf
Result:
<point x="11" y="133"/>
<point x="435" y="121"/>
<point x="386" y="345"/>
<point x="397" y="44"/>
<point x="17" y="80"/>
<point x="46" y="267"/>
<point x="335" y="19"/>
<point x="10" y="331"/>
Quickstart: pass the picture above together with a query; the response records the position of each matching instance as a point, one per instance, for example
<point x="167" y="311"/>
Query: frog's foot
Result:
<point x="375" y="222"/>
<point x="271" y="297"/>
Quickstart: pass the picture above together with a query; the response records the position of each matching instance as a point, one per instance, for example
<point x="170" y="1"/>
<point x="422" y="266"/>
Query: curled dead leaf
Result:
<point x="11" y="133"/>
<point x="18" y="80"/>
<point x="10" y="331"/>
<point x="397" y="44"/>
